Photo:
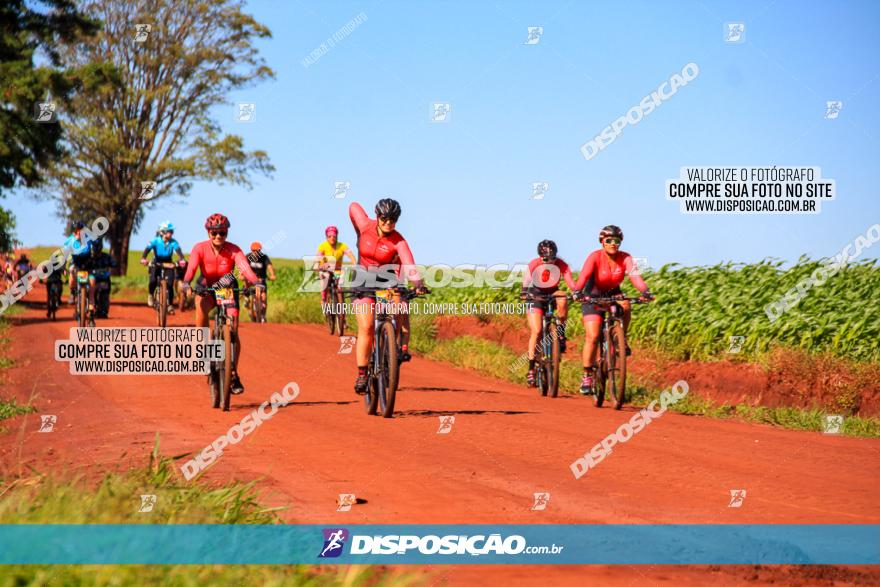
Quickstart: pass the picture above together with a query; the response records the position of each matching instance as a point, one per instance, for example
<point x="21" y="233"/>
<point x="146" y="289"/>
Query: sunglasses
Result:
<point x="387" y="220"/>
<point x="219" y="233"/>
<point x="611" y="241"/>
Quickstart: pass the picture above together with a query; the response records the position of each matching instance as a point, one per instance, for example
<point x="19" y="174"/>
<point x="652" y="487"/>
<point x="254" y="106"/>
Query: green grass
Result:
<point x="11" y="408"/>
<point x="116" y="499"/>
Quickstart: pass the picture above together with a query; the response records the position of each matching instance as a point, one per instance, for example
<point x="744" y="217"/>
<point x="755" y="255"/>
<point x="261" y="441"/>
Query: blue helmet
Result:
<point x="166" y="226"/>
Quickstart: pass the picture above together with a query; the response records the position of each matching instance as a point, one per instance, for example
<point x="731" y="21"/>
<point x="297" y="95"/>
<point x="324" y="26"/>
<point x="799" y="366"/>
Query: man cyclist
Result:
<point x="79" y="258"/>
<point x="331" y="253"/>
<point x="262" y="266"/>
<point x="380" y="244"/>
<point x="601" y="276"/>
<point x="543" y="276"/>
<point x="216" y="258"/>
<point x="100" y="265"/>
<point x="163" y="248"/>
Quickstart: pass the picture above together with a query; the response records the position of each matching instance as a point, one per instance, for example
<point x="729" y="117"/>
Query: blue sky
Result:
<point x="520" y="114"/>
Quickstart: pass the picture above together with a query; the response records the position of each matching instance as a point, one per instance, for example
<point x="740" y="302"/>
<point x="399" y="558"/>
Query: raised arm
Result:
<point x="359" y="218"/>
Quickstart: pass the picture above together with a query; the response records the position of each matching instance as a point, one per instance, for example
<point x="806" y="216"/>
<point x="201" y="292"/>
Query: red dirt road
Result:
<point x="506" y="444"/>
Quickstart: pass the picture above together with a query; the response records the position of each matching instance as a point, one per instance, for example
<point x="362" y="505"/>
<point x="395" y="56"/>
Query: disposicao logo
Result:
<point x="334" y="540"/>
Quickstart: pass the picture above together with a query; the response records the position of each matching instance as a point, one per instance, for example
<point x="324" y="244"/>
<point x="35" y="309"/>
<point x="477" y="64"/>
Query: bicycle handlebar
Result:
<point x="203" y="289"/>
<point x="405" y="292"/>
<point x="537" y="296"/>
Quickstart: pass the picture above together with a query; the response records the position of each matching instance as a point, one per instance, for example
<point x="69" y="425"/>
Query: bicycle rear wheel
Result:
<point x="388" y="370"/>
<point x="371" y="398"/>
<point x="617" y="365"/>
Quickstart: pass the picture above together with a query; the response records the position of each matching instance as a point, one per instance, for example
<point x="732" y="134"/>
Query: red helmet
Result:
<point x="256" y="246"/>
<point x="330" y="229"/>
<point x="611" y="230"/>
<point x="217" y="221"/>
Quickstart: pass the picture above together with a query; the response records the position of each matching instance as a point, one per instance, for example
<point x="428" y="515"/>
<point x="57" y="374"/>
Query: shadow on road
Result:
<point x="408" y="388"/>
<point x="435" y="413"/>
<point x="254" y="406"/>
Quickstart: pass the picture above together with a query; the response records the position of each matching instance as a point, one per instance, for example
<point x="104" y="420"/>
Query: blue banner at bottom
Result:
<point x="425" y="544"/>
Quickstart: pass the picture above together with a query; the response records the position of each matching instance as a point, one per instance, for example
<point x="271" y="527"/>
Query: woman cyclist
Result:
<point x="330" y="257"/>
<point x="543" y="277"/>
<point x="216" y="259"/>
<point x="380" y="244"/>
<point x="601" y="275"/>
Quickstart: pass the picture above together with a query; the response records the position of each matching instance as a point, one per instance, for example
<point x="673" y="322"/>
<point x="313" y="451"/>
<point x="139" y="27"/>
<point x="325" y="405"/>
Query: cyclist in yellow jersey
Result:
<point x="329" y="251"/>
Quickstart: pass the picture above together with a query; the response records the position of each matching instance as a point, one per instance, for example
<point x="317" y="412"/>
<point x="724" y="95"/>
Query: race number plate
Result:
<point x="225" y="296"/>
<point x="384" y="295"/>
<point x="82" y="276"/>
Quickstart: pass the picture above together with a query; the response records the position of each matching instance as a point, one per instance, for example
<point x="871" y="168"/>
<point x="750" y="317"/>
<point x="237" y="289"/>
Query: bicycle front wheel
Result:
<point x="553" y="363"/>
<point x="329" y="315"/>
<point x="388" y="369"/>
<point x="162" y="308"/>
<point x="617" y="365"/>
<point x="82" y="307"/>
<point x="227" y="366"/>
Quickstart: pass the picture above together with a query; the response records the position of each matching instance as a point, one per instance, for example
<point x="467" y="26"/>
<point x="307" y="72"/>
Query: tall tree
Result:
<point x="156" y="124"/>
<point x="32" y="31"/>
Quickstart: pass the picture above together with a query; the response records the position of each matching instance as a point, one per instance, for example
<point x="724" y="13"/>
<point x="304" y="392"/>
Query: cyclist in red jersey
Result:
<point x="601" y="275"/>
<point x="216" y="259"/>
<point x="378" y="244"/>
<point x="544" y="274"/>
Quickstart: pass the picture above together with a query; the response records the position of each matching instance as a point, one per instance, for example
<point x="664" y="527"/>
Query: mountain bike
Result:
<point x="161" y="301"/>
<point x="81" y="312"/>
<point x="220" y="374"/>
<point x="547" y="351"/>
<point x="334" y="311"/>
<point x="383" y="370"/>
<point x="611" y="370"/>
<point x="256" y="307"/>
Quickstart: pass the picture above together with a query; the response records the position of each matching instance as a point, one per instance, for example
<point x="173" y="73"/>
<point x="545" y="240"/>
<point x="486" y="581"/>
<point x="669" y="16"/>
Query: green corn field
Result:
<point x="698" y="309"/>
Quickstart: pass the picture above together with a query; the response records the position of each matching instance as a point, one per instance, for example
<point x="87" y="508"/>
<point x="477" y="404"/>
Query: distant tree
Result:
<point x="155" y="123"/>
<point x="29" y="30"/>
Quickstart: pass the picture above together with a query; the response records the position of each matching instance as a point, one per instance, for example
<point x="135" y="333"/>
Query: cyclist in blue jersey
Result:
<point x="80" y="254"/>
<point x="163" y="248"/>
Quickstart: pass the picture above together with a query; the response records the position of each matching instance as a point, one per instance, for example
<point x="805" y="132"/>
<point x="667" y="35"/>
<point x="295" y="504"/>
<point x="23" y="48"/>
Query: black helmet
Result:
<point x="610" y="230"/>
<point x="388" y="208"/>
<point x="547" y="250"/>
<point x="79" y="225"/>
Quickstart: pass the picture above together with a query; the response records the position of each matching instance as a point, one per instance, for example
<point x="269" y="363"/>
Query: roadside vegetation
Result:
<point x="116" y="500"/>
